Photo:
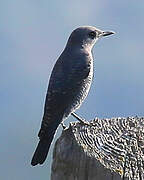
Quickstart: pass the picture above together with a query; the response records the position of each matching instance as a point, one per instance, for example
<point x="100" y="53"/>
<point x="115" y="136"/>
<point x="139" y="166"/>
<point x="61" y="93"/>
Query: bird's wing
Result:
<point x="63" y="87"/>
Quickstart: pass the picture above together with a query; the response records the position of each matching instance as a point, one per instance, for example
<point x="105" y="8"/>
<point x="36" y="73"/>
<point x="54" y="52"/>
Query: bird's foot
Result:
<point x="63" y="126"/>
<point x="81" y="120"/>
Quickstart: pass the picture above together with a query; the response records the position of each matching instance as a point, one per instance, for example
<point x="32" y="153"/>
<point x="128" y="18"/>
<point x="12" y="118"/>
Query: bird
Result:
<point x="69" y="85"/>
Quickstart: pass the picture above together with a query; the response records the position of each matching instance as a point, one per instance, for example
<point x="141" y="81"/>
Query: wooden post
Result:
<point x="107" y="149"/>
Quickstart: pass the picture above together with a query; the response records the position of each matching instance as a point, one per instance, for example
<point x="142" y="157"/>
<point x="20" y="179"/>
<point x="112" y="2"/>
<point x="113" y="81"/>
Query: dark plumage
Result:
<point x="68" y="86"/>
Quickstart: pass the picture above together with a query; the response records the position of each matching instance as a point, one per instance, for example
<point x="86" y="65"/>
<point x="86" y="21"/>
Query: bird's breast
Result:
<point x="81" y="90"/>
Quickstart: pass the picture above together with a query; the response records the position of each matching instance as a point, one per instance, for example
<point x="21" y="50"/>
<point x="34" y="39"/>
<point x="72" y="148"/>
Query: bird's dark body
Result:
<point x="68" y="86"/>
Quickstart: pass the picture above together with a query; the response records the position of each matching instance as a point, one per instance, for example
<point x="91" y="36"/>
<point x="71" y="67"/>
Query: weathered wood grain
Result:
<point x="107" y="149"/>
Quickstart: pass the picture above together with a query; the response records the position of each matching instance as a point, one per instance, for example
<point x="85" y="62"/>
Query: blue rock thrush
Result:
<point x="69" y="85"/>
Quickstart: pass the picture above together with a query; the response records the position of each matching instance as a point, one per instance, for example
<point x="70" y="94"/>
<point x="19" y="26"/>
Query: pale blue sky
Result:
<point x="32" y="36"/>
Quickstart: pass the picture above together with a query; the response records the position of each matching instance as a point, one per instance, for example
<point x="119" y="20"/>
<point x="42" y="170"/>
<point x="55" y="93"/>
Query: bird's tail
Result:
<point x="43" y="146"/>
<point x="41" y="151"/>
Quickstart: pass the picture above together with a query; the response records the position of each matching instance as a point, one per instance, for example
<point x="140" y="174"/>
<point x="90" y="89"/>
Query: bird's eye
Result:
<point x="92" y="34"/>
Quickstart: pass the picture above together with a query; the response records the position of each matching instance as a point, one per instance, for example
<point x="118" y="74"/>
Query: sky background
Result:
<point x="33" y="33"/>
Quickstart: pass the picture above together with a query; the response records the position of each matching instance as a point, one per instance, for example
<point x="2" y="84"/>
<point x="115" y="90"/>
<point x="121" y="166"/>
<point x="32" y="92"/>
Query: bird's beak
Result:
<point x="107" y="33"/>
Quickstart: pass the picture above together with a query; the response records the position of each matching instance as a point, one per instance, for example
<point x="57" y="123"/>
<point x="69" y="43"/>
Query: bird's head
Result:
<point x="86" y="36"/>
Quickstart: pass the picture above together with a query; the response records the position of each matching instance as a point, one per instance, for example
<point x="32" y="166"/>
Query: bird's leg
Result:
<point x="80" y="119"/>
<point x="63" y="125"/>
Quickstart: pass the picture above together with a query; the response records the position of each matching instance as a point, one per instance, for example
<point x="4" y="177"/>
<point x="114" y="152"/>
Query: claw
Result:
<point x="63" y="126"/>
